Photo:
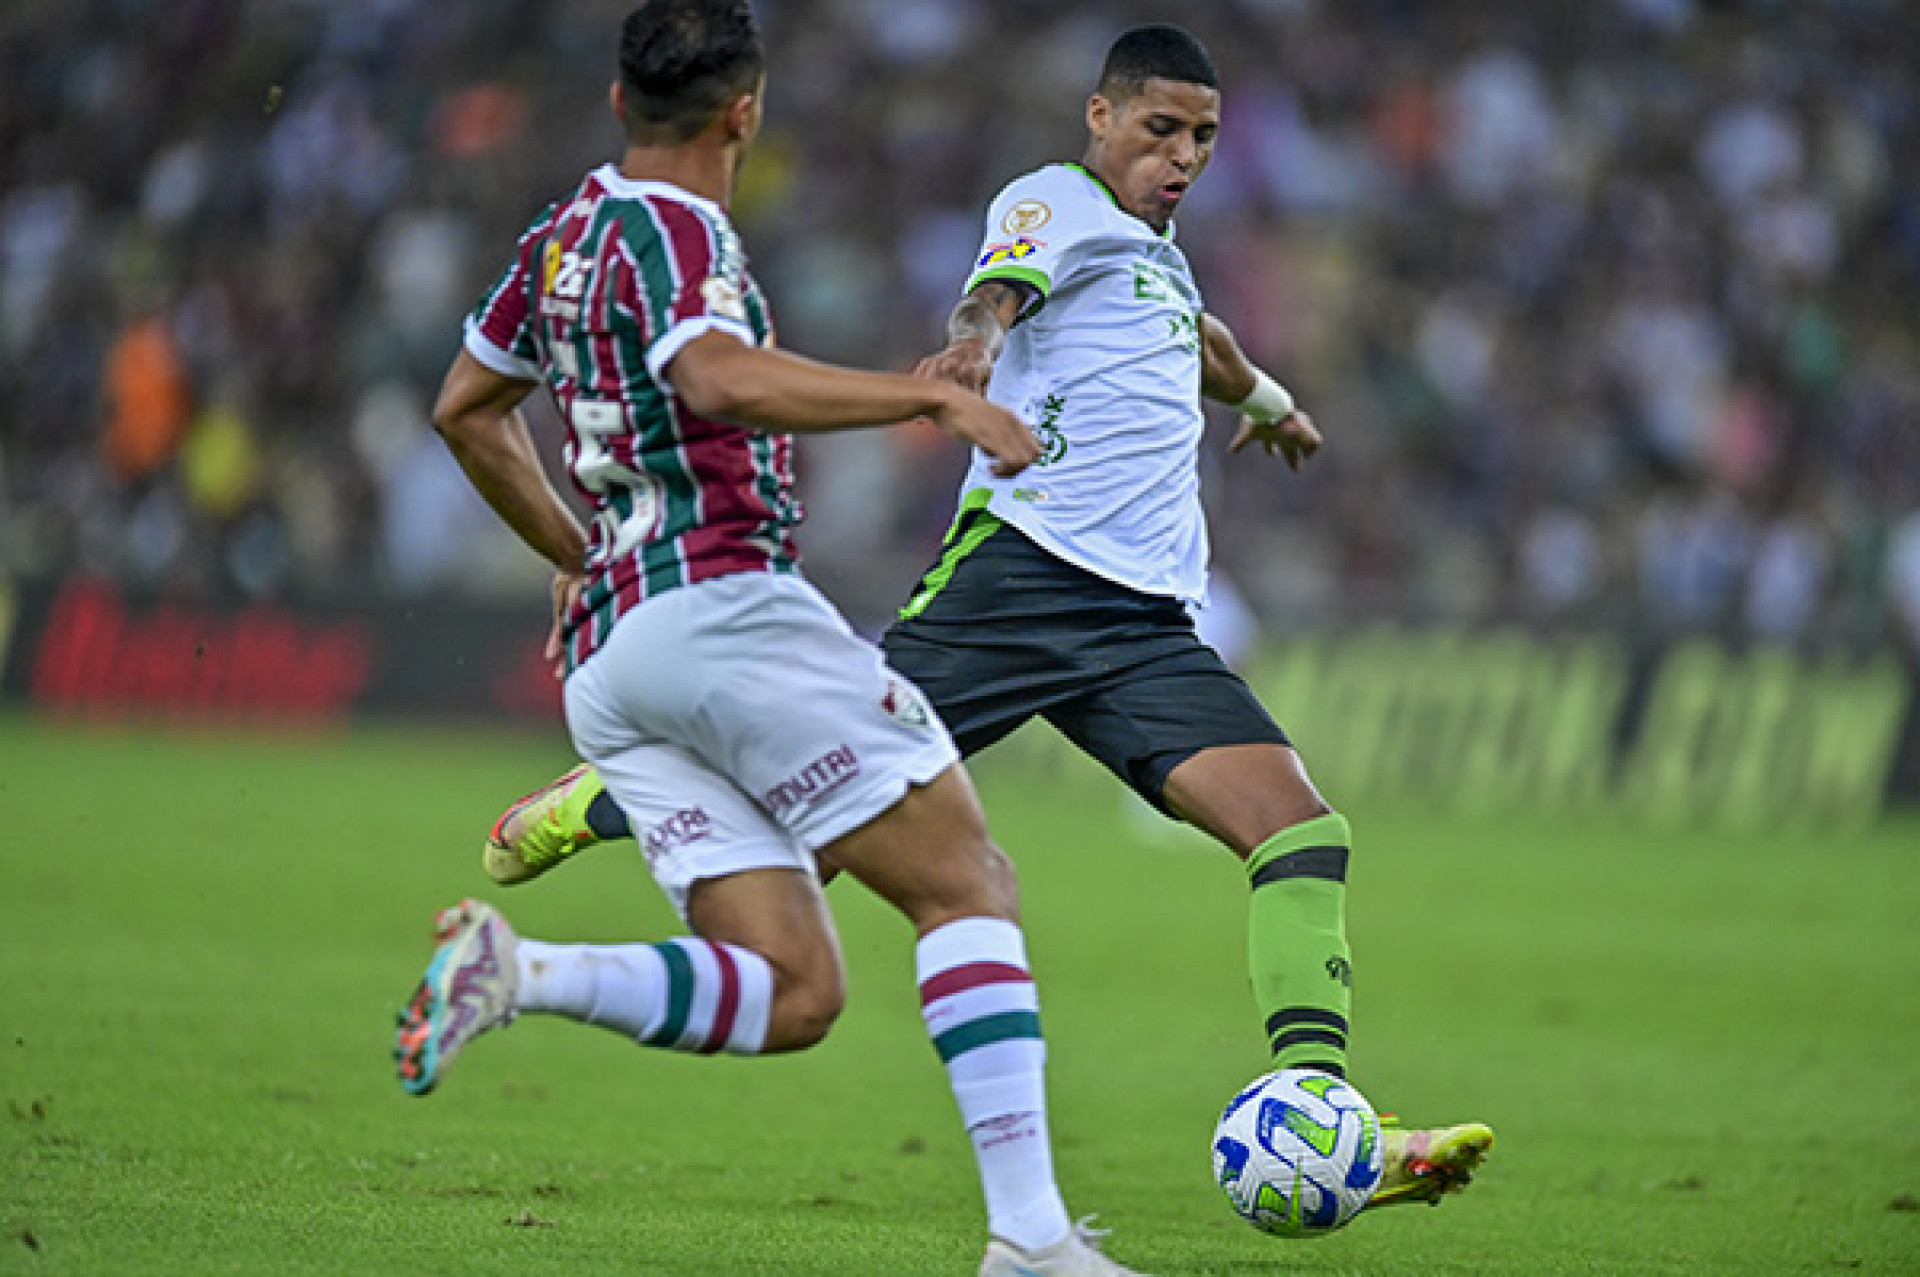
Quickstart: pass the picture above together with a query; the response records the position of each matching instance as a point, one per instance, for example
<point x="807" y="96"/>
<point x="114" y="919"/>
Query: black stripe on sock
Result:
<point x="1296" y="1017"/>
<point x="1329" y="863"/>
<point x="1325" y="1066"/>
<point x="1305" y="1037"/>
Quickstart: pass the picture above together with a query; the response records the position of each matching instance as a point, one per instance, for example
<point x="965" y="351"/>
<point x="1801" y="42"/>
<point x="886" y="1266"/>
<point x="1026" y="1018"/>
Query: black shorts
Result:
<point x="999" y="631"/>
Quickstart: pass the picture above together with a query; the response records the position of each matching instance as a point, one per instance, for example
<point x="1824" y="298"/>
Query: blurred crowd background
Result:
<point x="1610" y="311"/>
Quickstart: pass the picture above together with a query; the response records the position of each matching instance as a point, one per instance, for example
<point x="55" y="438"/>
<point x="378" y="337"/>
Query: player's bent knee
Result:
<point x="809" y="991"/>
<point x="981" y="883"/>
<point x="803" y="1013"/>
<point x="1309" y="807"/>
<point x="999" y="882"/>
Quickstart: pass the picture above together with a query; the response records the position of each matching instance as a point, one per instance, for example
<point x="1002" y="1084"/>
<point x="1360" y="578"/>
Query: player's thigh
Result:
<point x="1169" y="706"/>
<point x="996" y="632"/>
<point x="983" y="690"/>
<point x="1243" y="794"/>
<point x="730" y="872"/>
<point x="930" y="855"/>
<point x="692" y="823"/>
<point x="804" y="715"/>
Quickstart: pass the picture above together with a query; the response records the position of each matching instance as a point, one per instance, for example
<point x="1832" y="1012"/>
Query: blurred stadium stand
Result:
<point x="1611" y="311"/>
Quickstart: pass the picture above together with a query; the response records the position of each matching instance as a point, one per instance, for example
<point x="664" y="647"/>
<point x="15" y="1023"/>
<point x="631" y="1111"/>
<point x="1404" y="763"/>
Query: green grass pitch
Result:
<point x="1701" y="1050"/>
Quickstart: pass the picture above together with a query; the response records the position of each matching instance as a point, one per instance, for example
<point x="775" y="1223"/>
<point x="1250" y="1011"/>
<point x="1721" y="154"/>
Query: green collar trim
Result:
<point x="1112" y="199"/>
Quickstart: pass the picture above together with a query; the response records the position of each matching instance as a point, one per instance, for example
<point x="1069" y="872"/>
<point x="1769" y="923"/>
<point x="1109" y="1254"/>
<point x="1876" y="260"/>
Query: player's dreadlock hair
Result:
<point x="682" y="61"/>
<point x="1158" y="52"/>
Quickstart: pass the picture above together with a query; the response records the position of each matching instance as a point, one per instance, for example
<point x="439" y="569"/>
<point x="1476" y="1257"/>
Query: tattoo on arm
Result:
<point x="988" y="311"/>
<point x="1007" y="297"/>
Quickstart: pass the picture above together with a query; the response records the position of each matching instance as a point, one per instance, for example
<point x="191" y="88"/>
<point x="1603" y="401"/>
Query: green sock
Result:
<point x="1297" y="942"/>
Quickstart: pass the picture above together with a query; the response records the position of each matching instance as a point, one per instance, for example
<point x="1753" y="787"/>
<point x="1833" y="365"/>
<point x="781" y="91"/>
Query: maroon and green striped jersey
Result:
<point x="605" y="288"/>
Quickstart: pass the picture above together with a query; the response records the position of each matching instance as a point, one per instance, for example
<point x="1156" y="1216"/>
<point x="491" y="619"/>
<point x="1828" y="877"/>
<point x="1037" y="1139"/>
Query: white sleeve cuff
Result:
<point x="504" y="362"/>
<point x="661" y="353"/>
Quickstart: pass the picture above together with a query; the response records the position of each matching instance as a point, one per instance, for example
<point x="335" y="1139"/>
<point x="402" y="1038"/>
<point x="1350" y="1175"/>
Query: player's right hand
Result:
<point x="1294" y="437"/>
<point x="966" y="363"/>
<point x="566" y="590"/>
<point x="993" y="430"/>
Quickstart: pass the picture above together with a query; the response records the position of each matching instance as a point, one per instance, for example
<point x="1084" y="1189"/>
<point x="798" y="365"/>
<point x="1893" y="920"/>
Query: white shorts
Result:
<point x="741" y="724"/>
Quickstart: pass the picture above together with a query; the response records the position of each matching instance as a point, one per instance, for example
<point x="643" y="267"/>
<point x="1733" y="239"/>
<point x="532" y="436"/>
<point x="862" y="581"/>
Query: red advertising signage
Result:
<point x="89" y="647"/>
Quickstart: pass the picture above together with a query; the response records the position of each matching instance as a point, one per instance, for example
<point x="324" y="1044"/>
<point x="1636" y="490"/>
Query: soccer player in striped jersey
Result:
<point x="1065" y="592"/>
<point x="630" y="301"/>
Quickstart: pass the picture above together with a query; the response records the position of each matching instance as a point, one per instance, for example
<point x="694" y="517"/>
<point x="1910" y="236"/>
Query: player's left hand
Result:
<point x="1294" y="436"/>
<point x="566" y="590"/>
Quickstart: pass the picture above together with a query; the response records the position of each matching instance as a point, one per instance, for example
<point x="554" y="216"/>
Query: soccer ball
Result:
<point x="1297" y="1153"/>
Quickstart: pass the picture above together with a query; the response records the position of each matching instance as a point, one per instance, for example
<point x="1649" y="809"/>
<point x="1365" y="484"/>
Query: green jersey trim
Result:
<point x="972" y="524"/>
<point x="1112" y="199"/>
<point x="1023" y="274"/>
<point x="1087" y="173"/>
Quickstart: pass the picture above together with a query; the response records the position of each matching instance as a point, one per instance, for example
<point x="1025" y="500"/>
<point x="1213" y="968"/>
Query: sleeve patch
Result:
<point x="723" y="299"/>
<point x="1027" y="215"/>
<point x="997" y="254"/>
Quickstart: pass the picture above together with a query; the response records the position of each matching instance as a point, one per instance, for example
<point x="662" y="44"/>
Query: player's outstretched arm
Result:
<point x="976" y="330"/>
<point x="1226" y="374"/>
<point x="723" y="378"/>
<point x="1268" y="416"/>
<point x="478" y="414"/>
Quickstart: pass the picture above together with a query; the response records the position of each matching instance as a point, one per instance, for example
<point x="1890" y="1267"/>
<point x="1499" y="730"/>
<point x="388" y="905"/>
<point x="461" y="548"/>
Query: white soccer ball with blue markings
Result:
<point x="1297" y="1153"/>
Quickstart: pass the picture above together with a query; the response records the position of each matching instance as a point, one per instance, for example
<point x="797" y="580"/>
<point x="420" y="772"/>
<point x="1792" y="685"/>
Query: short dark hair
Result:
<point x="682" y="61"/>
<point x="1158" y="52"/>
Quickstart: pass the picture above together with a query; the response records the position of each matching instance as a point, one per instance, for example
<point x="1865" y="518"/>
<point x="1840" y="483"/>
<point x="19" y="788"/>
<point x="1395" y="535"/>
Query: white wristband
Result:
<point x="1269" y="401"/>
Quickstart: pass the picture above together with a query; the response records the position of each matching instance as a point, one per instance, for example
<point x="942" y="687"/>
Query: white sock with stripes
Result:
<point x="684" y="995"/>
<point x="983" y="1014"/>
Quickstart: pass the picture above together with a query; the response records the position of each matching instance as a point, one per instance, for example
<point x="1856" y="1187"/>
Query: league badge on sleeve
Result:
<point x="723" y="299"/>
<point x="1027" y="215"/>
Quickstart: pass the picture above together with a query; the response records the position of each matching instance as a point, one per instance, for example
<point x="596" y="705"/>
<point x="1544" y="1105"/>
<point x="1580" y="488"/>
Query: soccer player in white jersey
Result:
<point x="630" y="301"/>
<point x="1064" y="591"/>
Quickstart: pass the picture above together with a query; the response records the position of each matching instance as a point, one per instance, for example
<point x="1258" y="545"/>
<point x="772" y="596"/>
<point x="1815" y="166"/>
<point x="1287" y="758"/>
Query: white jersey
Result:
<point x="1106" y="368"/>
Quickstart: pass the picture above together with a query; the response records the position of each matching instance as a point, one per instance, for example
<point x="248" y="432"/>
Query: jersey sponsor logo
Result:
<point x="1150" y="283"/>
<point x="1027" y="215"/>
<point x="1183" y="329"/>
<point x="688" y="825"/>
<point x="816" y="780"/>
<point x="1046" y="412"/>
<point x="1010" y="252"/>
<point x="564" y="273"/>
<point x="723" y="298"/>
<point x="563" y="281"/>
<point x="901" y="702"/>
